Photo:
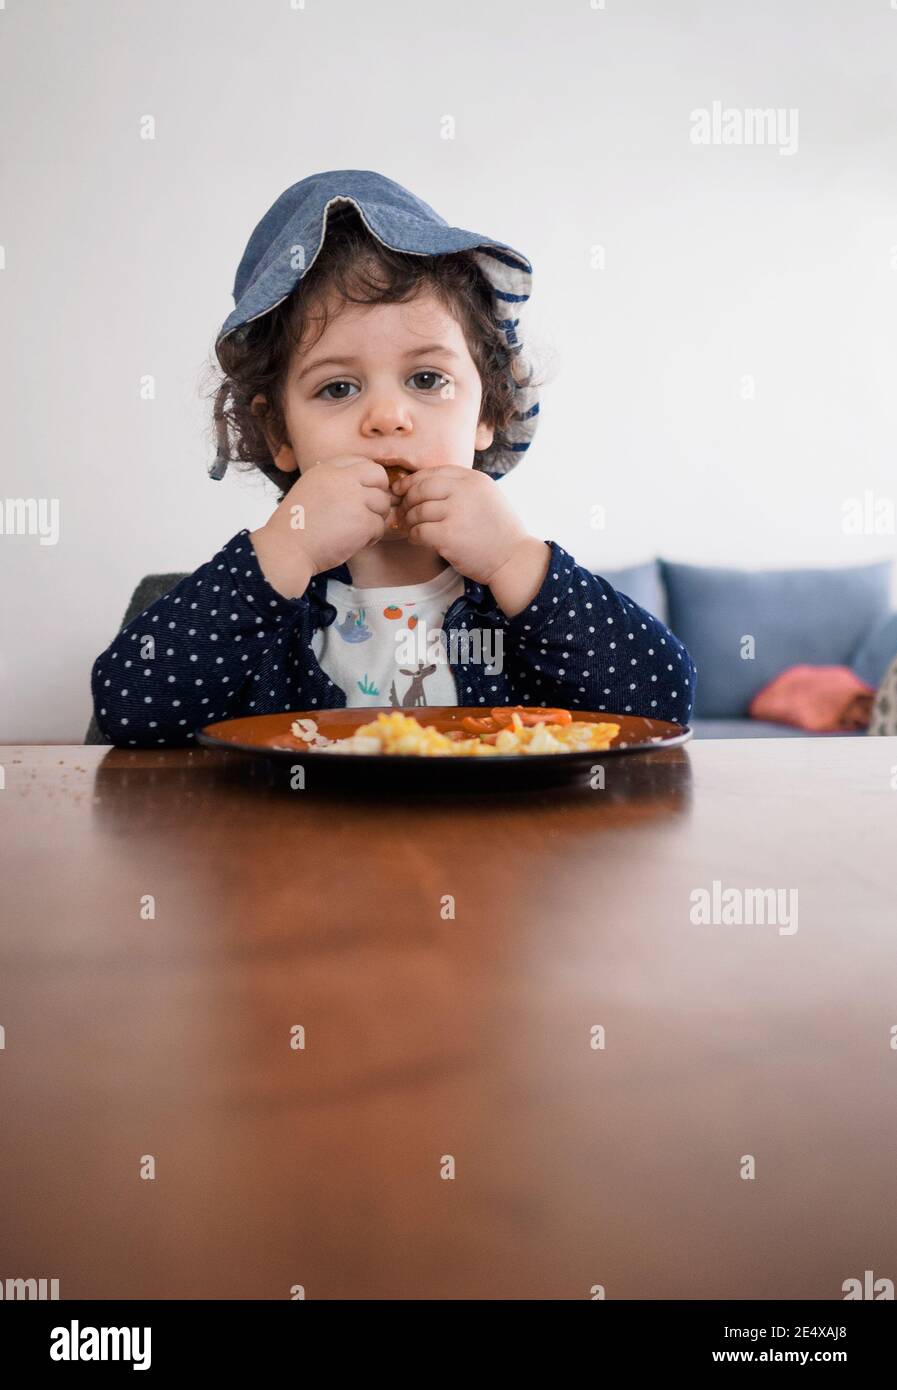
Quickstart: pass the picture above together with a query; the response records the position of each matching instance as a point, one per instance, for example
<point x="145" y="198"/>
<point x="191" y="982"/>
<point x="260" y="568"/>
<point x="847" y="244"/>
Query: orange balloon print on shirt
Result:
<point x="392" y="610"/>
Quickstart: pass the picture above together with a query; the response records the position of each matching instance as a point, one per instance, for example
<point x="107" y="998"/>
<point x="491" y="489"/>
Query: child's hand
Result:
<point x="462" y="515"/>
<point x="336" y="508"/>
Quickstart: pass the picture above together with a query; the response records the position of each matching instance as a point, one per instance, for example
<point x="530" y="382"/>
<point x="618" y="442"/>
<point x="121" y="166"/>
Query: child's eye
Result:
<point x="440" y="380"/>
<point x="330" y="386"/>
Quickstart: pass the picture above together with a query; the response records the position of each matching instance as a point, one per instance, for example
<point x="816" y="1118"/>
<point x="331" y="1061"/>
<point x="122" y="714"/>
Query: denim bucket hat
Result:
<point x="286" y="242"/>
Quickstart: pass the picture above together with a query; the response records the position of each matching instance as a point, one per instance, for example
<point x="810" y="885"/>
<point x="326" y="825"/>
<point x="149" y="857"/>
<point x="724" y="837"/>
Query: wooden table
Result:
<point x="430" y="1038"/>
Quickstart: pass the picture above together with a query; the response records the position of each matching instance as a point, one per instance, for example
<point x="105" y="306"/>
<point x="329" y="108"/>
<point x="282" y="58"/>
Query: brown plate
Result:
<point x="268" y="737"/>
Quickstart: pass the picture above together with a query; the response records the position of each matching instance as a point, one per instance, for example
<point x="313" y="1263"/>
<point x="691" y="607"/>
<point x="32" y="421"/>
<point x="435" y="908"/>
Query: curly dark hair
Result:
<point x="255" y="359"/>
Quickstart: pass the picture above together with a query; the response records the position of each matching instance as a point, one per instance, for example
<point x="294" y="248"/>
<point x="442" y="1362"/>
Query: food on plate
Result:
<point x="502" y="716"/>
<point x="525" y="731"/>
<point x="307" y="730"/>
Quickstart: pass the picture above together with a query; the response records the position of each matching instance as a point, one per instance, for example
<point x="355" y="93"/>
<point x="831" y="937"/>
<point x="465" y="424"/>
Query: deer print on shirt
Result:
<point x="415" y="694"/>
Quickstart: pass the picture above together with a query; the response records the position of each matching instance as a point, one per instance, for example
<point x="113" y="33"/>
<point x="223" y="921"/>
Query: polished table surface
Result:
<point x="451" y="1127"/>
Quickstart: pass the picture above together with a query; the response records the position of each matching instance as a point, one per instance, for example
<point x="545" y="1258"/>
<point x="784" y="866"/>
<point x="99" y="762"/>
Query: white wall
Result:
<point x="572" y="131"/>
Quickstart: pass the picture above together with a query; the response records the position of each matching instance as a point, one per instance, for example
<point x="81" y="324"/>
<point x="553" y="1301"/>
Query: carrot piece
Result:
<point x="503" y="715"/>
<point x="555" y="716"/>
<point x="478" y="726"/>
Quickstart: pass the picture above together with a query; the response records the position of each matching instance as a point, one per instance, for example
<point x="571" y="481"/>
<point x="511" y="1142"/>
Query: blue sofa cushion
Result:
<point x="876" y="652"/>
<point x="641" y="583"/>
<point x="806" y="616"/>
<point x="761" y="728"/>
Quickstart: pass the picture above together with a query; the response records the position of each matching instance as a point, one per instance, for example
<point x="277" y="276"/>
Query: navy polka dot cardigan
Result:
<point x="225" y="643"/>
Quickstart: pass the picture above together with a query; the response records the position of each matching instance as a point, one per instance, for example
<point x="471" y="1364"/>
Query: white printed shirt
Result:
<point x="381" y="648"/>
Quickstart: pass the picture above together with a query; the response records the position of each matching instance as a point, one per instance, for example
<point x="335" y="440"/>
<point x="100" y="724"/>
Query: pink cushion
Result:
<point x="826" y="699"/>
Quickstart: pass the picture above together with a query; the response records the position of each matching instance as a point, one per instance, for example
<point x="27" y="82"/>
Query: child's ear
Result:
<point x="483" y="437"/>
<point x="284" y="456"/>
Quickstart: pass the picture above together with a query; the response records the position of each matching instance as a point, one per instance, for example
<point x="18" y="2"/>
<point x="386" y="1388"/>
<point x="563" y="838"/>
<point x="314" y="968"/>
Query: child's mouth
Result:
<point x="395" y="468"/>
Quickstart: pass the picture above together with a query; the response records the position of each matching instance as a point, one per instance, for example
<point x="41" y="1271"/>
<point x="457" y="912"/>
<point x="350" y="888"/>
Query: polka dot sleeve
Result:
<point x="187" y="659"/>
<point x="581" y="642"/>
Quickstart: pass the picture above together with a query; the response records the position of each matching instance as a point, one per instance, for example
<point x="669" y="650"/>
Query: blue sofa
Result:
<point x="815" y="617"/>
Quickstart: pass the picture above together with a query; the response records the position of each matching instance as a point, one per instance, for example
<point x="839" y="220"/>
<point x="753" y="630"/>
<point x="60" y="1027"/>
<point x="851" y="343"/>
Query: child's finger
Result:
<point x="425" y="533"/>
<point x="377" y="500"/>
<point x="368" y="472"/>
<point x="426" y="485"/>
<point x="416" y="475"/>
<point x="433" y="510"/>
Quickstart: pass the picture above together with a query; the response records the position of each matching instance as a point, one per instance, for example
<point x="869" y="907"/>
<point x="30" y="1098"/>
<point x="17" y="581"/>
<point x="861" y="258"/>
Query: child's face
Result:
<point x="399" y="396"/>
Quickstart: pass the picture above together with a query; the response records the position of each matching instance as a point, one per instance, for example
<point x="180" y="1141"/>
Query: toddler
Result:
<point x="369" y="335"/>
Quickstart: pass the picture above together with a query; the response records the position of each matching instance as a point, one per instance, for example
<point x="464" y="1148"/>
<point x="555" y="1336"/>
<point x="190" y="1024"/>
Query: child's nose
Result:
<point x="387" y="413"/>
